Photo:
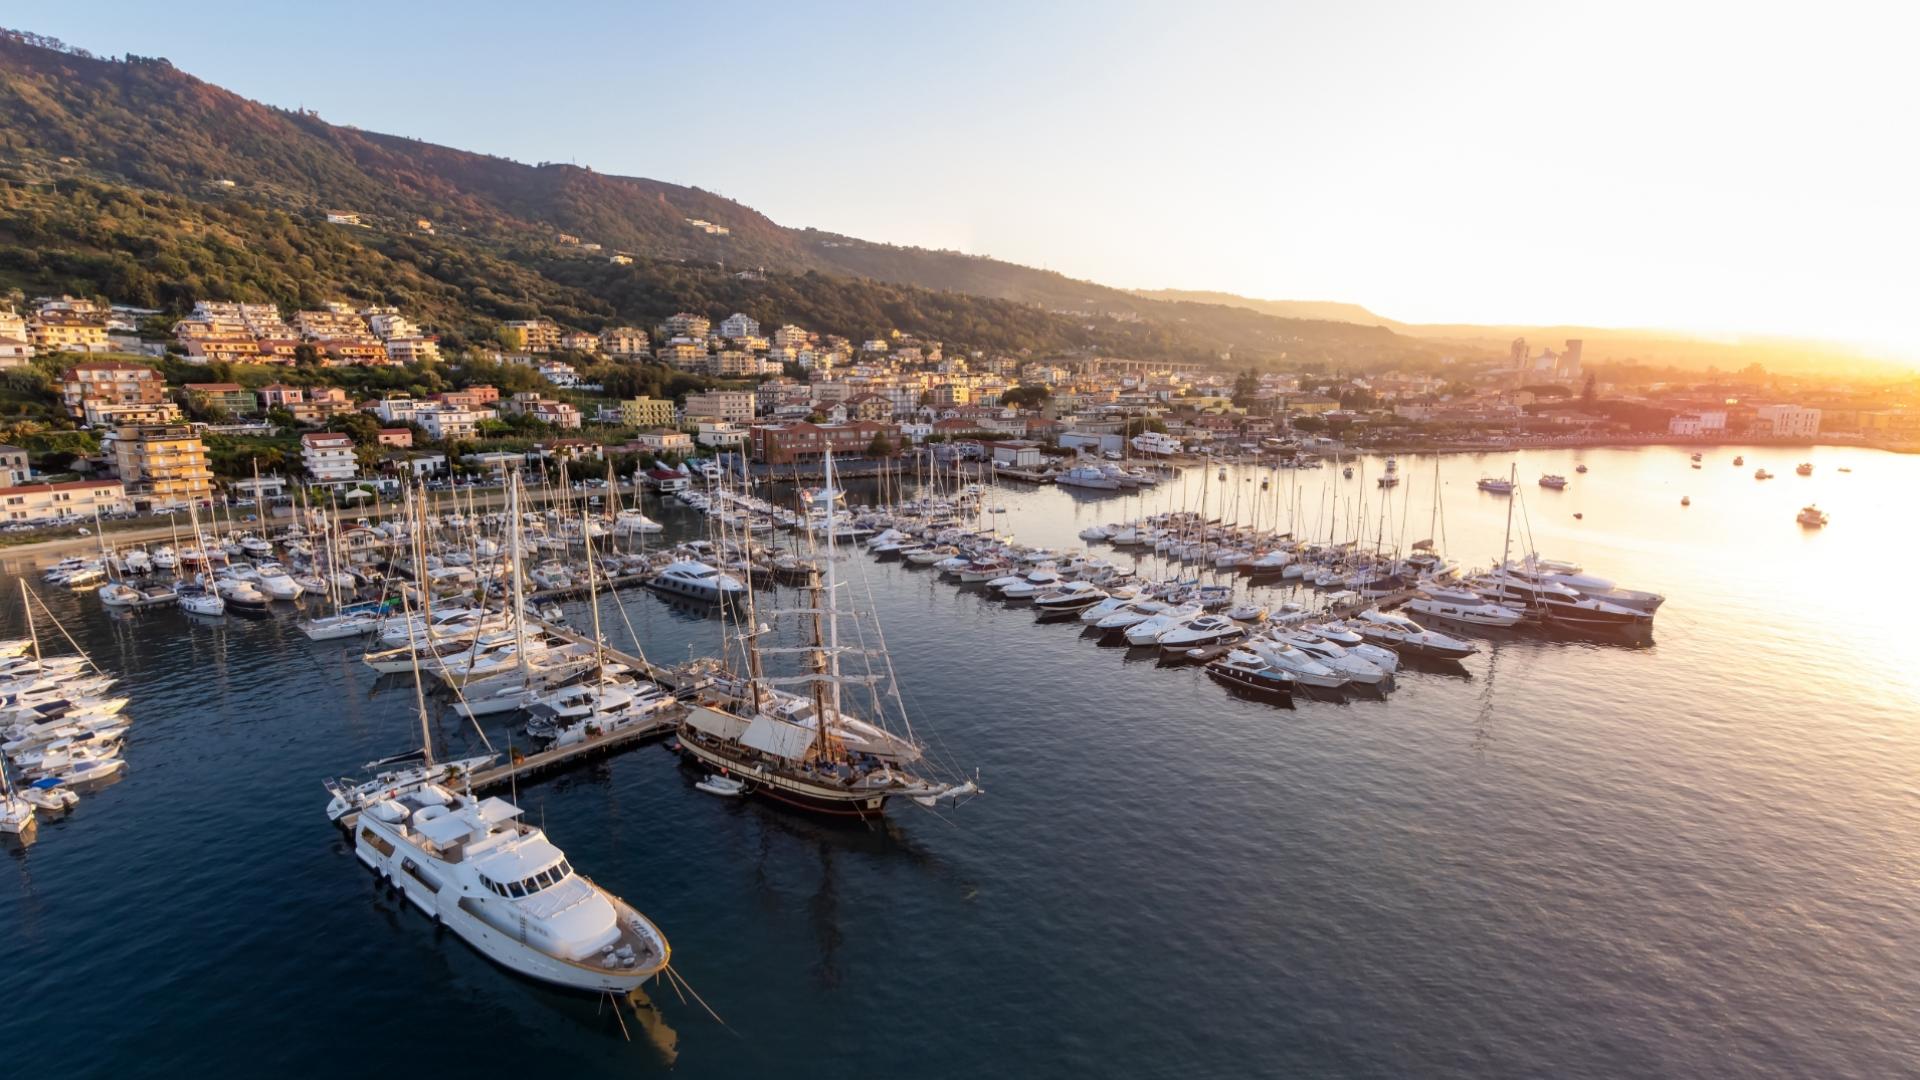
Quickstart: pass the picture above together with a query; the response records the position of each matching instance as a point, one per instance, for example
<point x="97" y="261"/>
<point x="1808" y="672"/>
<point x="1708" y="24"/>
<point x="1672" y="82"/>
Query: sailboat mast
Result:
<point x="1506" y="546"/>
<point x="514" y="583"/>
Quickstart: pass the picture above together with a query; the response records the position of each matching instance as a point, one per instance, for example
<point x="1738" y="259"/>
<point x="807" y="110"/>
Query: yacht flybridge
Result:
<point x="809" y="751"/>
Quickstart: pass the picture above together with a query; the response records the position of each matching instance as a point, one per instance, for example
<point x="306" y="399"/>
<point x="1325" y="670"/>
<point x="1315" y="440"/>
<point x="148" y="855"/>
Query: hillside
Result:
<point x="1329" y="310"/>
<point x="248" y="183"/>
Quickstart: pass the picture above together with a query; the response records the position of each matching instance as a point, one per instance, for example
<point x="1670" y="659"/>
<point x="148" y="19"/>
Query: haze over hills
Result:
<point x="1617" y="344"/>
<point x="132" y="178"/>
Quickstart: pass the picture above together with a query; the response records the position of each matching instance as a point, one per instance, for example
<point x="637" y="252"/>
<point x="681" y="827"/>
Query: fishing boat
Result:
<point x="1553" y="480"/>
<point x="1812" y="517"/>
<point x="1805" y="468"/>
<point x="1495" y="485"/>
<point x="1762" y="474"/>
<point x="1738" y="461"/>
<point x="1580" y="468"/>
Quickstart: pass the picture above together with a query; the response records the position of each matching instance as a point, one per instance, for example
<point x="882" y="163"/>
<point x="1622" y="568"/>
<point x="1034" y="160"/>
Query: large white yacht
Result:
<point x="499" y="883"/>
<point x="1156" y="443"/>
<point x="696" y="580"/>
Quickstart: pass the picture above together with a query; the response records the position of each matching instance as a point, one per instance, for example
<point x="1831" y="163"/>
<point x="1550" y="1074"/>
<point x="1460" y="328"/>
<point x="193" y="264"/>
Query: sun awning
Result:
<point x="777" y="737"/>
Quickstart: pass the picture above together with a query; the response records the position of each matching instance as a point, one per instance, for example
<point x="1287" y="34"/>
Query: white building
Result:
<point x="738" y="325"/>
<point x="53" y="502"/>
<point x="445" y="422"/>
<point x="1788" y="420"/>
<point x="722" y="435"/>
<point x="328" y="457"/>
<point x="1695" y="423"/>
<point x="560" y="373"/>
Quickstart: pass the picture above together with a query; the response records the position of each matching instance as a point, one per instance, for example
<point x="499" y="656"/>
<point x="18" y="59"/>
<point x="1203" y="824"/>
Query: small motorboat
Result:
<point x="1812" y="517"/>
<point x="1762" y="474"/>
<point x="1579" y="468"/>
<point x="724" y="786"/>
<point x="1805" y="468"/>
<point x="1494" y="485"/>
<point x="1739" y="460"/>
<point x="1686" y="500"/>
<point x="50" y="793"/>
<point x="1554" y="481"/>
<point x="1843" y="468"/>
<point x="1247" y="613"/>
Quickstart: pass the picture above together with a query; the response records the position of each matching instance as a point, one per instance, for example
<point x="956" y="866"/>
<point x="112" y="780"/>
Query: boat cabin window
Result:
<point x="516" y="890"/>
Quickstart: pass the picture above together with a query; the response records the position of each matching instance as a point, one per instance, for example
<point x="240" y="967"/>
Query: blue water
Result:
<point x="1691" y="857"/>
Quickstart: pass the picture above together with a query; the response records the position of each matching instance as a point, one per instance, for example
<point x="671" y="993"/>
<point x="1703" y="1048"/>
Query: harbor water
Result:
<point x="1685" y="856"/>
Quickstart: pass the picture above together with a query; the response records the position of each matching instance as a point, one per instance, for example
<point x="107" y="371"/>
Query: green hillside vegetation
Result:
<point x="133" y="179"/>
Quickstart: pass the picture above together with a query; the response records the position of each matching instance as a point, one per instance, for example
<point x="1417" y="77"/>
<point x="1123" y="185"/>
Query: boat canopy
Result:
<point x="717" y="724"/>
<point x="777" y="737"/>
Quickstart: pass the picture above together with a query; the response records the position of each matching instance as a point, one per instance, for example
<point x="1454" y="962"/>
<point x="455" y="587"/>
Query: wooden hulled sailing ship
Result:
<point x="803" y="747"/>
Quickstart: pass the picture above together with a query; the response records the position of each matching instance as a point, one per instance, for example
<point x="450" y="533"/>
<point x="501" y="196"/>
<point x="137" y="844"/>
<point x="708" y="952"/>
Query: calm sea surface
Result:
<point x="1689" y="857"/>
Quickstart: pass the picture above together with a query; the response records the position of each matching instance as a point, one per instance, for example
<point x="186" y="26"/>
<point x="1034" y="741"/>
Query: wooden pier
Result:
<point x="546" y="761"/>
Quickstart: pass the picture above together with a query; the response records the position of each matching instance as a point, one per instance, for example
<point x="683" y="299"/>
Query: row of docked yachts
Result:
<point x="1531" y="590"/>
<point x="61" y="732"/>
<point x="1250" y="647"/>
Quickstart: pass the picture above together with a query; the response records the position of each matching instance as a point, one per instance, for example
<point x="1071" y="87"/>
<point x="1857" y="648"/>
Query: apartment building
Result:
<point x="784" y="444"/>
<point x="66" y="331"/>
<point x="647" y="412"/>
<point x="625" y="341"/>
<point x="733" y="364"/>
<point x="332" y="324"/>
<point x="733" y="406"/>
<point x="112" y="382"/>
<point x="413" y="350"/>
<point x="580" y="341"/>
<point x="1787" y="420"/>
<point x="445" y="421"/>
<point x="532" y="335"/>
<point x="107" y="414"/>
<point x="738" y="325"/>
<point x="328" y="457"/>
<point x="14" y="469"/>
<point x="560" y="414"/>
<point x="233" y="398"/>
<point x="52" y="502"/>
<point x="683" y="354"/>
<point x="162" y="465"/>
<point x="687" y="325"/>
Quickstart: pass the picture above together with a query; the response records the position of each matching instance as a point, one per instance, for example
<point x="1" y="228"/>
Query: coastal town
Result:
<point x="114" y="410"/>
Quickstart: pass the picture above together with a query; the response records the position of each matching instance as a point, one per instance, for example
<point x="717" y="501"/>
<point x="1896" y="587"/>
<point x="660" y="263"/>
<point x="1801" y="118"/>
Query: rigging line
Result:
<point x="696" y="996"/>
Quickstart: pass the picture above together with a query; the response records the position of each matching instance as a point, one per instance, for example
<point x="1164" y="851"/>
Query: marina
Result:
<point x="1101" y="770"/>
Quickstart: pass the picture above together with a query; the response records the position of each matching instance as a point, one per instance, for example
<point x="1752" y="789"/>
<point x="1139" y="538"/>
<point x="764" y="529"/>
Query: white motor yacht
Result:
<point x="1149" y="631"/>
<point x="474" y="867"/>
<point x="1200" y="633"/>
<point x="1070" y="596"/>
<point x="1461" y="605"/>
<point x="1401" y="633"/>
<point x="696" y="580"/>
<point x="1031" y="585"/>
<point x="1307" y="670"/>
<point x="1338" y="657"/>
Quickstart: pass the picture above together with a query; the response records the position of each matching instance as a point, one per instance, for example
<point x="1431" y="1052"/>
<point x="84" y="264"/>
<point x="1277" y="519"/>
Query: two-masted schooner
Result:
<point x="805" y="748"/>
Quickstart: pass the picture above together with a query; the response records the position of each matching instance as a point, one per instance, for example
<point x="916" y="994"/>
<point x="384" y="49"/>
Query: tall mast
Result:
<point x="419" y="691"/>
<point x="1506" y="546"/>
<point x="514" y="583"/>
<point x="32" y="632"/>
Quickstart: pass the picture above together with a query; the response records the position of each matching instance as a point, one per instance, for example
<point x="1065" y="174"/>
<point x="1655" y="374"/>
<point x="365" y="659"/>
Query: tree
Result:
<point x="881" y="446"/>
<point x="1246" y="387"/>
<point x="1027" y="397"/>
<point x="1587" y="394"/>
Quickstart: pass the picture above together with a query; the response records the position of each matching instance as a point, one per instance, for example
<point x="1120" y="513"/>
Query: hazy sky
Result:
<point x="1711" y="166"/>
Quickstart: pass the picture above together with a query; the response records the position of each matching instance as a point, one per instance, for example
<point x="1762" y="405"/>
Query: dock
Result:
<point x="531" y="765"/>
